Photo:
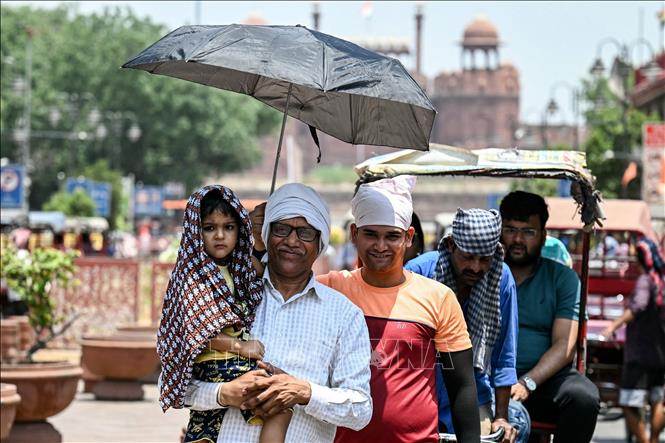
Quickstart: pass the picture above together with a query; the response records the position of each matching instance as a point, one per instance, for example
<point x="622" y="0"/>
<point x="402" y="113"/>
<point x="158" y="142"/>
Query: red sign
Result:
<point x="653" y="135"/>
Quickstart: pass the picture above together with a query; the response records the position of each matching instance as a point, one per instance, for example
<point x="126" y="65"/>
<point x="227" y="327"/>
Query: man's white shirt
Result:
<point x="317" y="335"/>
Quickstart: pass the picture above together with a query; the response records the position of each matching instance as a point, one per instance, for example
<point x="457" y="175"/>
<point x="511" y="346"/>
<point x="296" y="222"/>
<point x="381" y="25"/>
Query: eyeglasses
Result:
<point x="528" y="233"/>
<point x="303" y="233"/>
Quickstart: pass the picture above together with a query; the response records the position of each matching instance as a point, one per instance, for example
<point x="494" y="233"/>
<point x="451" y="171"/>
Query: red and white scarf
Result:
<point x="198" y="304"/>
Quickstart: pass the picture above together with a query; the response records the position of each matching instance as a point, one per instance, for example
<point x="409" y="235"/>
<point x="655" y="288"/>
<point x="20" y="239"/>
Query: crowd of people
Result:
<point x="472" y="338"/>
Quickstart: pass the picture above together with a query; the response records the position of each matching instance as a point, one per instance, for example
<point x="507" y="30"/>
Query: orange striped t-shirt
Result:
<point x="407" y="324"/>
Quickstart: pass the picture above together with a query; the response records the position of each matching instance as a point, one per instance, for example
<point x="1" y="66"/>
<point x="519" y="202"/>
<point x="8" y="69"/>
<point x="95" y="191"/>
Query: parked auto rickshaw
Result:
<point x="443" y="160"/>
<point x="87" y="234"/>
<point x="613" y="272"/>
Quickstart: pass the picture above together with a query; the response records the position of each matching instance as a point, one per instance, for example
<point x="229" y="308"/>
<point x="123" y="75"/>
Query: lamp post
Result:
<point x="115" y="119"/>
<point x="623" y="69"/>
<point x="575" y="107"/>
<point x="549" y="110"/>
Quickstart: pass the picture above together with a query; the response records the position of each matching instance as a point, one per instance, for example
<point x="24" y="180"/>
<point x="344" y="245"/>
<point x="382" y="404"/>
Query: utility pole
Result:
<point x="316" y="15"/>
<point x="27" y="101"/>
<point x="197" y="12"/>
<point x="419" y="29"/>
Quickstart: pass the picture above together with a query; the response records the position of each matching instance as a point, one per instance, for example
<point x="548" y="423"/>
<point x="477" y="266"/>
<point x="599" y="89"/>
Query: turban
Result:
<point x="297" y="200"/>
<point x="384" y="202"/>
<point x="477" y="231"/>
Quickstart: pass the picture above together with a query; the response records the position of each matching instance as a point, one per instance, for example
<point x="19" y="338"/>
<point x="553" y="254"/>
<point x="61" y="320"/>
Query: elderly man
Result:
<point x="548" y="298"/>
<point x="470" y="262"/>
<point x="411" y="319"/>
<point x="313" y="333"/>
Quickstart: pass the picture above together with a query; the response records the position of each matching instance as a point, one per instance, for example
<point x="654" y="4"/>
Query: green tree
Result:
<point x="609" y="146"/>
<point x="76" y="204"/>
<point x="83" y="105"/>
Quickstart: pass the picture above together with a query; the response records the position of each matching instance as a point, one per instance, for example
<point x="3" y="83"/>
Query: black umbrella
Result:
<point x="349" y="92"/>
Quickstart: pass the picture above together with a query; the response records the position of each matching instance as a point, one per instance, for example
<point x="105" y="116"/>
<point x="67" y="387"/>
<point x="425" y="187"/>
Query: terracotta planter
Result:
<point x="26" y="333"/>
<point x="10" y="339"/>
<point x="9" y="400"/>
<point x="120" y="361"/>
<point x="45" y="388"/>
<point x="150" y="330"/>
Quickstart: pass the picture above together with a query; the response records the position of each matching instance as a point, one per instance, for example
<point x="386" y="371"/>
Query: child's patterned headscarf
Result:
<point x="198" y="304"/>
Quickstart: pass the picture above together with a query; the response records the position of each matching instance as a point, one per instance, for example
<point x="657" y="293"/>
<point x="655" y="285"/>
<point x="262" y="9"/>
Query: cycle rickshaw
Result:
<point x="443" y="160"/>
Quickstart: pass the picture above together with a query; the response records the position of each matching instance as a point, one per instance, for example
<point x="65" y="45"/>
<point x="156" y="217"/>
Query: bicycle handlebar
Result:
<point x="490" y="438"/>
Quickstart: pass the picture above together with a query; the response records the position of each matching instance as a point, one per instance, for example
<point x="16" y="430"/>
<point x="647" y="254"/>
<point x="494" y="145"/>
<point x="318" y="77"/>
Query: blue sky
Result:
<point x="548" y="42"/>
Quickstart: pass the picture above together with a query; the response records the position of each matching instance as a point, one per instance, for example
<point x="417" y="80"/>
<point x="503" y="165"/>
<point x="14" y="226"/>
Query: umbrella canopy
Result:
<point x="346" y="91"/>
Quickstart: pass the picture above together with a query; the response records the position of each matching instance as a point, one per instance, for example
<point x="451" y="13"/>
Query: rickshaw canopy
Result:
<point x="622" y="215"/>
<point x="445" y="160"/>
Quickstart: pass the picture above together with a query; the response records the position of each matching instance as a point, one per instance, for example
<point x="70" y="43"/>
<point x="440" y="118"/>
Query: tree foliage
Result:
<point x="83" y="105"/>
<point x="77" y="204"/>
<point x="610" y="147"/>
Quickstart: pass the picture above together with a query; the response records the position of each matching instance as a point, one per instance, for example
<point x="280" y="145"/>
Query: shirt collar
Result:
<point x="536" y="268"/>
<point x="312" y="287"/>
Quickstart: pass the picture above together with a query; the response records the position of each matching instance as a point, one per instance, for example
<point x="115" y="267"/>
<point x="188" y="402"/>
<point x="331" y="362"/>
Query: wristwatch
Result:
<point x="529" y="383"/>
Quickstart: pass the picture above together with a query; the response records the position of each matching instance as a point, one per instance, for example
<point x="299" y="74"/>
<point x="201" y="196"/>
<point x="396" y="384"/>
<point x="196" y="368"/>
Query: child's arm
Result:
<point x="258" y="266"/>
<point x="250" y="348"/>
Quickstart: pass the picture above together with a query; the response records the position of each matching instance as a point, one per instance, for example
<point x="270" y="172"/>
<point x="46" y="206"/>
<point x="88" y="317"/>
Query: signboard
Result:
<point x="99" y="192"/>
<point x="12" y="187"/>
<point x="148" y="201"/>
<point x="653" y="162"/>
<point x="653" y="135"/>
<point x="173" y="190"/>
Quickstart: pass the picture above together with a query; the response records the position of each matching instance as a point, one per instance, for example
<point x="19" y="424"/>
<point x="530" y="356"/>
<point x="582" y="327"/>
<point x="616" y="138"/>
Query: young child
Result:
<point x="208" y="309"/>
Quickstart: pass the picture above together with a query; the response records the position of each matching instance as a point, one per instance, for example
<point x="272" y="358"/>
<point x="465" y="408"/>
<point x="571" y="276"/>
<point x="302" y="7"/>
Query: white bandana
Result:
<point x="385" y="202"/>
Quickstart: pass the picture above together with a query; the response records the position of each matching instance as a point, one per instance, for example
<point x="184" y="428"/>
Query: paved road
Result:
<point x="91" y="421"/>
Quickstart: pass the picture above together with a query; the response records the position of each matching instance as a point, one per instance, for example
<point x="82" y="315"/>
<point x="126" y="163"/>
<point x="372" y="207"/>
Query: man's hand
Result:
<point x="256" y="216"/>
<point x="510" y="433"/>
<point x="234" y="392"/>
<point x="272" y="395"/>
<point x="253" y="349"/>
<point x="519" y="392"/>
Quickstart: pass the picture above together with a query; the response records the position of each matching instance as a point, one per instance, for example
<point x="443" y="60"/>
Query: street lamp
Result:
<point x="575" y="106"/>
<point x="550" y="109"/>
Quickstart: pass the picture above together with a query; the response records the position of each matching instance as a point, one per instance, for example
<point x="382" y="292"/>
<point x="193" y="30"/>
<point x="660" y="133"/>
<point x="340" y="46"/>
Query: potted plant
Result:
<point x="46" y="388"/>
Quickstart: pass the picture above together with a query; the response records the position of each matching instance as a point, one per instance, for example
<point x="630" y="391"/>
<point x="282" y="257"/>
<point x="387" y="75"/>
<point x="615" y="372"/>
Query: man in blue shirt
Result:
<point x="548" y="297"/>
<point x="470" y="261"/>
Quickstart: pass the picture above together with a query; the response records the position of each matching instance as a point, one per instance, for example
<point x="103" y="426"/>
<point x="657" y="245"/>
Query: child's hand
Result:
<point x="252" y="349"/>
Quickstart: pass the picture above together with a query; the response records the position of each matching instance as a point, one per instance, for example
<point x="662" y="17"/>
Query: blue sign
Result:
<point x="148" y="201"/>
<point x="564" y="188"/>
<point x="12" y="180"/>
<point x="100" y="193"/>
<point x="493" y="201"/>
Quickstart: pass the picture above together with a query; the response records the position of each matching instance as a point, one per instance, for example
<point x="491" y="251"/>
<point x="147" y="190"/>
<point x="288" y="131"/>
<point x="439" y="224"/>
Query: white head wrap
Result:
<point x="297" y="200"/>
<point x="385" y="202"/>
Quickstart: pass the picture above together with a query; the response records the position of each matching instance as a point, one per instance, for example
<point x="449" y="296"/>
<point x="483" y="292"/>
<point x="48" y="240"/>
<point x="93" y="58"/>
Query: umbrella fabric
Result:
<point x="349" y="92"/>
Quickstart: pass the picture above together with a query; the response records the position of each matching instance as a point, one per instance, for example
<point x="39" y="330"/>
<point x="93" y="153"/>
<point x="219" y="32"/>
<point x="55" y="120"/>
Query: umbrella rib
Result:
<point x="324" y="80"/>
<point x="353" y="129"/>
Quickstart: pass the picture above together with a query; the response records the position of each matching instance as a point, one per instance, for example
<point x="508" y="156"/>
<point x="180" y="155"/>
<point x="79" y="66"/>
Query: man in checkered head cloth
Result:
<point x="470" y="262"/>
